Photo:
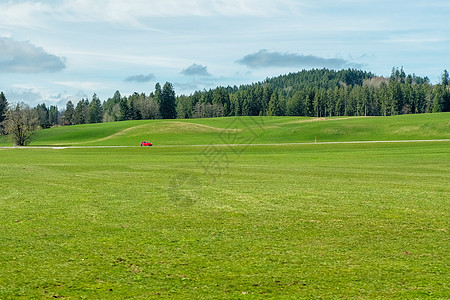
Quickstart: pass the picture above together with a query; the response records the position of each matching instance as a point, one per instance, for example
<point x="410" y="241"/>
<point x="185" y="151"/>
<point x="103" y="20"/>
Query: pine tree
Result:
<point x="439" y="98"/>
<point x="158" y="92"/>
<point x="42" y="115"/>
<point x="316" y="105"/>
<point x="81" y="111"/>
<point x="69" y="114"/>
<point x="167" y="106"/>
<point x="95" y="110"/>
<point x="276" y="104"/>
<point x="123" y="109"/>
<point x="3" y="110"/>
<point x="53" y="115"/>
<point x="294" y="106"/>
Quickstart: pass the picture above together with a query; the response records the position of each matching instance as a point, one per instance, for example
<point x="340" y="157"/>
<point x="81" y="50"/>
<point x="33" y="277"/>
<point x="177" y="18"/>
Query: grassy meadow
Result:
<point x="247" y="130"/>
<point x="245" y="222"/>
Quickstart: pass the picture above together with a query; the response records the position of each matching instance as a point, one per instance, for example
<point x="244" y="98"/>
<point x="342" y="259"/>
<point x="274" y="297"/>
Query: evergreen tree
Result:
<point x="251" y="103"/>
<point x="275" y="104"/>
<point x="133" y="111"/>
<point x="395" y="97"/>
<point x="42" y="115"/>
<point x="123" y="110"/>
<point x="167" y="106"/>
<point x="235" y="106"/>
<point x="441" y="98"/>
<point x="267" y="93"/>
<point x="110" y="108"/>
<point x="158" y="92"/>
<point x="444" y="78"/>
<point x="340" y="101"/>
<point x="116" y="98"/>
<point x="383" y="99"/>
<point x="81" y="111"/>
<point x="53" y="115"/>
<point x="184" y="107"/>
<point x="294" y="106"/>
<point x="3" y="110"/>
<point x="69" y="114"/>
<point x="95" y="114"/>
<point x="316" y="105"/>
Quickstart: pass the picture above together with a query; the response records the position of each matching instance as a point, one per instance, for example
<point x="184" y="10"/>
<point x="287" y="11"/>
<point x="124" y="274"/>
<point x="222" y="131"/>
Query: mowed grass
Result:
<point x="291" y="222"/>
<point x="236" y="130"/>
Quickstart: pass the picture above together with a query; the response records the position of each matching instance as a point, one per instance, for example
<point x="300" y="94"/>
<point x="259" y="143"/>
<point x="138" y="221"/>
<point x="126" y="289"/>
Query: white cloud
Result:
<point x="83" y="57"/>
<point x="5" y="35"/>
<point x="124" y="10"/>
<point x="35" y="14"/>
<point x="23" y="14"/>
<point x="415" y="40"/>
<point x="23" y="57"/>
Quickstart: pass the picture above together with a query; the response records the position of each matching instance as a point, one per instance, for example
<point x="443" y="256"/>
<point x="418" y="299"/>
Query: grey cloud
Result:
<point x="35" y="96"/>
<point x="141" y="78"/>
<point x="28" y="96"/>
<point x="196" y="70"/>
<point x="186" y="88"/>
<point x="23" y="57"/>
<point x="265" y="59"/>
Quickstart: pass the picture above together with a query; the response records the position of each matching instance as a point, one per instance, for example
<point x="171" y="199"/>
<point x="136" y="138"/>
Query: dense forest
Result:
<point x="313" y="93"/>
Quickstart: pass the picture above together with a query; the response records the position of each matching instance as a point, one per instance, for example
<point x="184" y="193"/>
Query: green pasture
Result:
<point x="231" y="222"/>
<point x="235" y="130"/>
<point x="347" y="221"/>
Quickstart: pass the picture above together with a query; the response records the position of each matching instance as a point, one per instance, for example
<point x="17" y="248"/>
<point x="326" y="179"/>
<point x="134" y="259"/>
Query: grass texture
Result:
<point x="237" y="130"/>
<point x="245" y="222"/>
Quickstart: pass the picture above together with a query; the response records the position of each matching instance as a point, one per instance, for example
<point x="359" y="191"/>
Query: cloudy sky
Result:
<point x="53" y="51"/>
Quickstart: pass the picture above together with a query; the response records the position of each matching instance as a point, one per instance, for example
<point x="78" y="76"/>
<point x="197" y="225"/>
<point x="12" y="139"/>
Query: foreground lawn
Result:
<point x="306" y="221"/>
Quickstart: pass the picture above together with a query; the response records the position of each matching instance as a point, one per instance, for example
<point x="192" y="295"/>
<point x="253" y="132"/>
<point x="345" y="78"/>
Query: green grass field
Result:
<point x="248" y="129"/>
<point x="245" y="222"/>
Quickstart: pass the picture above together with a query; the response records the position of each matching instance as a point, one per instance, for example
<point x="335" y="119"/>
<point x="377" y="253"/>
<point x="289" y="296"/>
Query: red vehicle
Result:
<point x="146" y="144"/>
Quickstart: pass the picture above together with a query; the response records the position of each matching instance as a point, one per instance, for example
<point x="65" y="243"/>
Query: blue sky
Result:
<point x="54" y="51"/>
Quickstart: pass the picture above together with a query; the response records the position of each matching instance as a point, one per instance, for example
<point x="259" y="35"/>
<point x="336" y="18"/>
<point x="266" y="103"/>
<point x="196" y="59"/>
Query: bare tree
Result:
<point x="148" y="108"/>
<point x="21" y="123"/>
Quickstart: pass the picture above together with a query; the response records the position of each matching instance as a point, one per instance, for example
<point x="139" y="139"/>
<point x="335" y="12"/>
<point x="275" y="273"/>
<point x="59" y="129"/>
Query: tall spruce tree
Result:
<point x="124" y="111"/>
<point x="95" y="110"/>
<point x="81" y="111"/>
<point x="444" y="78"/>
<point x="53" y="115"/>
<point x="42" y="115"/>
<point x="167" y="106"/>
<point x="3" y="110"/>
<point x="158" y="93"/>
<point x="69" y="114"/>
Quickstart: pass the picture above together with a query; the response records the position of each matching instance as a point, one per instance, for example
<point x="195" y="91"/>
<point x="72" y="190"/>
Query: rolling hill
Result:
<point x="236" y="130"/>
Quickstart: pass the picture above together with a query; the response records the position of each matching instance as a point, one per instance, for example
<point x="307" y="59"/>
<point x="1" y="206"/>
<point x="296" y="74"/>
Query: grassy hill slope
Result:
<point x="237" y="130"/>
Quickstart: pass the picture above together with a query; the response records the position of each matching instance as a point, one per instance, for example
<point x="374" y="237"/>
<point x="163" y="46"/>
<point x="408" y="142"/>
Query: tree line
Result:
<point x="322" y="93"/>
<point x="313" y="93"/>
